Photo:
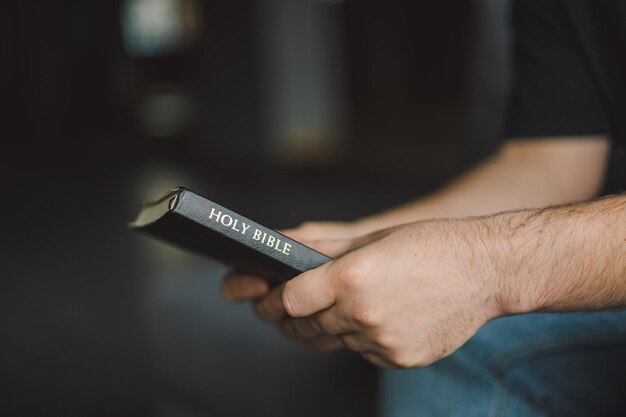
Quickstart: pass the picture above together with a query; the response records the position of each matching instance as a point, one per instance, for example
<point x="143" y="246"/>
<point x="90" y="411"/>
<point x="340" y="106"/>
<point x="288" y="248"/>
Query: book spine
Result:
<point x="239" y="228"/>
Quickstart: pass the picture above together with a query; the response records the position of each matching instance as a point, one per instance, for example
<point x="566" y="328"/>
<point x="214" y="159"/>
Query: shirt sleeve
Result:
<point x="553" y="93"/>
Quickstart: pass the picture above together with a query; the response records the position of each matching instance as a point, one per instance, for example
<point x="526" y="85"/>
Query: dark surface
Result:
<point x="73" y="338"/>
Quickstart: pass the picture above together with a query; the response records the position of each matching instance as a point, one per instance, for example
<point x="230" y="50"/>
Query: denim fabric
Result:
<point x="570" y="364"/>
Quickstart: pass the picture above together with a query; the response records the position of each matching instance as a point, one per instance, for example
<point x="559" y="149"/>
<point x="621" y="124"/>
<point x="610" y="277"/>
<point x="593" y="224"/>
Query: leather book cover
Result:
<point x="193" y="222"/>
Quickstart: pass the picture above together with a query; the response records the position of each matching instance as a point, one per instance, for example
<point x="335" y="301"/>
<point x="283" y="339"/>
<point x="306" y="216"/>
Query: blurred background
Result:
<point x="283" y="110"/>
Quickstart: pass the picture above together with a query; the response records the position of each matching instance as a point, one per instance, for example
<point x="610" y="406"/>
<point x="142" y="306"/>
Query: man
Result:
<point x="405" y="290"/>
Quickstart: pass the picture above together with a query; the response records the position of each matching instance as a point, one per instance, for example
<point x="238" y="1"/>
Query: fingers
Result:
<point x="330" y="247"/>
<point x="308" y="293"/>
<point x="358" y="343"/>
<point x="378" y="360"/>
<point x="324" y="343"/>
<point x="308" y="333"/>
<point x="300" y="329"/>
<point x="323" y="323"/>
<point x="295" y="234"/>
<point x="240" y="286"/>
<point x="326" y="230"/>
<point x="270" y="308"/>
<point x="307" y="231"/>
<point x="311" y="328"/>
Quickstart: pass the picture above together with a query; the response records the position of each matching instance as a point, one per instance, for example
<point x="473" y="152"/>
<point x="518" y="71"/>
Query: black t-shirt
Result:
<point x="570" y="73"/>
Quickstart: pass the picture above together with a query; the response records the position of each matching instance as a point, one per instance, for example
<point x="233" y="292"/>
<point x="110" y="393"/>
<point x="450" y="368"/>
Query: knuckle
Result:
<point x="375" y="359"/>
<point x="401" y="360"/>
<point x="306" y="328"/>
<point x="365" y="316"/>
<point x="329" y="325"/>
<point x="349" y="342"/>
<point x="317" y="325"/>
<point x="350" y="275"/>
<point x="429" y="356"/>
<point x="291" y="330"/>
<point x="384" y="340"/>
<point x="297" y="330"/>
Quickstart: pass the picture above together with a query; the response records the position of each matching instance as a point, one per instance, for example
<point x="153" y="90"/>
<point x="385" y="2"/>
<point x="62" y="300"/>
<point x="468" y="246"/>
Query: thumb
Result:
<point x="308" y="293"/>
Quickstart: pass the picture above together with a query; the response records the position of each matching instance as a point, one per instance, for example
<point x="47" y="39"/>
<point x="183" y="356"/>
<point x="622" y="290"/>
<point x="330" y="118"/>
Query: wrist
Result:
<point x="487" y="253"/>
<point x="517" y="285"/>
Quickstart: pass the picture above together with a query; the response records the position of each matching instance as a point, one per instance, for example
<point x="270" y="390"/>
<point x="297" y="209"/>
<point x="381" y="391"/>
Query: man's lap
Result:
<point x="536" y="364"/>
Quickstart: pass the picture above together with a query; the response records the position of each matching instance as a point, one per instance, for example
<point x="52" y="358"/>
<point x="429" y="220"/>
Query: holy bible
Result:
<point x="190" y="221"/>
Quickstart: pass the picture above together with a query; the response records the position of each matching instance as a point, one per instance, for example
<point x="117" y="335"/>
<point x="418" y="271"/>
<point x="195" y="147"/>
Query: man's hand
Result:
<point x="410" y="295"/>
<point x="448" y="265"/>
<point x="398" y="293"/>
<point x="404" y="297"/>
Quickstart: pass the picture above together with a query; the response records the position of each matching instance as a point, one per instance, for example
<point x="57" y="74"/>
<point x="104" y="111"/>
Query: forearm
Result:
<point x="533" y="173"/>
<point x="571" y="257"/>
<point x="491" y="187"/>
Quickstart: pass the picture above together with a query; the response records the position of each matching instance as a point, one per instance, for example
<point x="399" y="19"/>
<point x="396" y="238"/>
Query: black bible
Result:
<point x="193" y="222"/>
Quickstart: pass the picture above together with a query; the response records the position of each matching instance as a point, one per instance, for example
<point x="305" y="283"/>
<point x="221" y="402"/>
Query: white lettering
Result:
<point x="268" y="240"/>
<point x="217" y="214"/>
<point x="235" y="226"/>
<point x="244" y="227"/>
<point x="228" y="222"/>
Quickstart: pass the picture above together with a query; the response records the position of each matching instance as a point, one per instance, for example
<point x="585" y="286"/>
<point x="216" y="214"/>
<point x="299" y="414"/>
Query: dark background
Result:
<point x="96" y="321"/>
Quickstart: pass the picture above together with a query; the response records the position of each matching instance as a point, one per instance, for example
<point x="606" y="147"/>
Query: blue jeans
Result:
<point x="569" y="364"/>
